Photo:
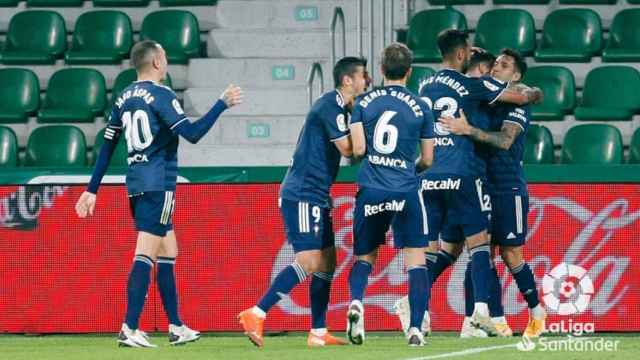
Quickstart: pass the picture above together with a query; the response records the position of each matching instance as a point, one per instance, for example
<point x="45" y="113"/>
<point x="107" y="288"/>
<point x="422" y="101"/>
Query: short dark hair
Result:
<point x="142" y="53"/>
<point x="396" y="61"/>
<point x="347" y="66"/>
<point x="518" y="60"/>
<point x="481" y="57"/>
<point x="451" y="40"/>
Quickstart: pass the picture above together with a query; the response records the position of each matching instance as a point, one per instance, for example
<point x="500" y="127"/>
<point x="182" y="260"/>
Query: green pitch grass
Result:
<point x="293" y="346"/>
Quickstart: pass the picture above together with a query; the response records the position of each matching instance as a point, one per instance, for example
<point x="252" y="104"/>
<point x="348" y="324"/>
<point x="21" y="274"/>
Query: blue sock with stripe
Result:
<point x="495" y="294"/>
<point x="319" y="292"/>
<point x="481" y="270"/>
<point x="523" y="276"/>
<point x="137" y="288"/>
<point x="418" y="294"/>
<point x="359" y="279"/>
<point x="468" y="292"/>
<point x="286" y="280"/>
<point x="167" y="285"/>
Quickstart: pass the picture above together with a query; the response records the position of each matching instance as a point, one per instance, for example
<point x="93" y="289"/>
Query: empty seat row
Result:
<point x="100" y="37"/>
<point x="568" y="35"/>
<point x="73" y="95"/>
<point x="105" y="3"/>
<point x="65" y="145"/>
<point x="610" y="92"/>
<point x="529" y="2"/>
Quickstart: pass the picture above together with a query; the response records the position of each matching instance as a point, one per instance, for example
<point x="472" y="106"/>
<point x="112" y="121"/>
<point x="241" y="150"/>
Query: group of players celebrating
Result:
<point x="469" y="123"/>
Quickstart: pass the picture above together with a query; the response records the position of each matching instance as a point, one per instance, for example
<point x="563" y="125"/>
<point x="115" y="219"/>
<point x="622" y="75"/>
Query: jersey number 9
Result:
<point x="133" y="125"/>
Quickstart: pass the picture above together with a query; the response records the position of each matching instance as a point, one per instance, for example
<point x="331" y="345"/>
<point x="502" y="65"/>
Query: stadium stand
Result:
<point x="73" y="95"/>
<point x="559" y="88"/>
<point x="604" y="145"/>
<point x="29" y="44"/>
<point x="610" y="93"/>
<point x="101" y="37"/>
<point x="570" y="35"/>
<point x="8" y="148"/>
<point x="176" y="30"/>
<point x="56" y="146"/>
<point x="539" y="146"/>
<point x="624" y="43"/>
<point x="21" y="86"/>
<point x="517" y="31"/>
<point x="425" y="27"/>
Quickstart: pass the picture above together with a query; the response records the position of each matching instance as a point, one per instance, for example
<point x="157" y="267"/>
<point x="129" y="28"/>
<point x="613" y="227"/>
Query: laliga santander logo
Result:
<point x="567" y="289"/>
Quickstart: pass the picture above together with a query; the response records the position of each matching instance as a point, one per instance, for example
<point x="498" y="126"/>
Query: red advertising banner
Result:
<point x="63" y="274"/>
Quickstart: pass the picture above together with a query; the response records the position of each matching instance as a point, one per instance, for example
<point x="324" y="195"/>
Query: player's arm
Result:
<point x="426" y="155"/>
<point x="87" y="202"/>
<point x="344" y="145"/>
<point x="502" y="139"/>
<point x="358" y="140"/>
<point x="194" y="131"/>
<point x="528" y="96"/>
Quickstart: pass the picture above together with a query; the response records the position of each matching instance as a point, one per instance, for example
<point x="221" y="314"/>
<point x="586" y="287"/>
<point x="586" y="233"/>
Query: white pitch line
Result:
<point x="464" y="352"/>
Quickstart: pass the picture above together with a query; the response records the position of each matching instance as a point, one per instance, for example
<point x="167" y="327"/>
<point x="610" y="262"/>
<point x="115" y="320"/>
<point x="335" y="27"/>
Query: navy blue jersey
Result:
<point x="446" y="93"/>
<point x="147" y="112"/>
<point x="504" y="167"/>
<point x="394" y="121"/>
<point x="316" y="159"/>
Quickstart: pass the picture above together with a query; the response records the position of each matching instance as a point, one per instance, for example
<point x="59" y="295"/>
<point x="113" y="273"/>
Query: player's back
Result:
<point x="147" y="112"/>
<point x="316" y="159"/>
<point x="394" y="121"/>
<point x="505" y="170"/>
<point x="446" y="93"/>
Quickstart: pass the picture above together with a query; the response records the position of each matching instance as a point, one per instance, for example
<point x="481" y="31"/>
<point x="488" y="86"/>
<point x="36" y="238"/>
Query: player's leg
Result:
<point x="468" y="330"/>
<point x="496" y="309"/>
<point x="320" y="288"/>
<point x="178" y="332"/>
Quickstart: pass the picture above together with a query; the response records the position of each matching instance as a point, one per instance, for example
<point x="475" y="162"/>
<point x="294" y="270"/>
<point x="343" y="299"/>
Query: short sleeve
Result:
<point x="335" y="123"/>
<point x="357" y="114"/>
<point x="168" y="108"/>
<point x="487" y="89"/>
<point x="517" y="115"/>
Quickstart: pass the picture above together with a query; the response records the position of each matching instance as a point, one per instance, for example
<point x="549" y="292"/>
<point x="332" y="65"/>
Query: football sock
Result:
<point x="481" y="270"/>
<point x="468" y="292"/>
<point x="319" y="291"/>
<point x="166" y="280"/>
<point x="137" y="288"/>
<point x="286" y="280"/>
<point x="359" y="278"/>
<point x="495" y="294"/>
<point x="418" y="294"/>
<point x="526" y="284"/>
<point x="443" y="261"/>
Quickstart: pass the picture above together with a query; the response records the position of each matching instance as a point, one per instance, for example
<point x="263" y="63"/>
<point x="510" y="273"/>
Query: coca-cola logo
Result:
<point x="20" y="209"/>
<point x="586" y="248"/>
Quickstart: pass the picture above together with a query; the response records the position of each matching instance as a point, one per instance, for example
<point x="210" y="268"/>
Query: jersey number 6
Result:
<point x="385" y="136"/>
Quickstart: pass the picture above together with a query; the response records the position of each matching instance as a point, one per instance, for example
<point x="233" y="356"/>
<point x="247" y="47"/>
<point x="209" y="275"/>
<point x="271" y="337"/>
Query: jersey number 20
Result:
<point x="135" y="124"/>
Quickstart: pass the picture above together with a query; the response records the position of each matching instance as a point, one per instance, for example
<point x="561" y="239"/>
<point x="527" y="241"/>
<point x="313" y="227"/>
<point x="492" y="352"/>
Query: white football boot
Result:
<point x="355" y="323"/>
<point x="180" y="335"/>
<point x="133" y="338"/>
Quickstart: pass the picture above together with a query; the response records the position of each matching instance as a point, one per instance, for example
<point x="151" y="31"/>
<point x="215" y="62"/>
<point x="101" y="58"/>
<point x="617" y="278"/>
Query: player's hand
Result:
<point x="86" y="204"/>
<point x="232" y="95"/>
<point x="535" y="95"/>
<point x="458" y="126"/>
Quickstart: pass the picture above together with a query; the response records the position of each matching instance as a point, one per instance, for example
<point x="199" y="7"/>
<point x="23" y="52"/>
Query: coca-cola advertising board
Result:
<point x="64" y="274"/>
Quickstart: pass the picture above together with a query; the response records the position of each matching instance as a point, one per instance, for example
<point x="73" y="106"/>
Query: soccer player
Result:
<point x="453" y="187"/>
<point x="151" y="118"/>
<point x="480" y="64"/>
<point x="507" y="184"/>
<point x="305" y="204"/>
<point x="386" y="127"/>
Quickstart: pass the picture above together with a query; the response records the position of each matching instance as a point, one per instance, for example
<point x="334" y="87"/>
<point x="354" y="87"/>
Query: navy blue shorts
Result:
<point x="456" y="204"/>
<point x="376" y="210"/>
<point x="308" y="226"/>
<point x="152" y="211"/>
<point x="509" y="219"/>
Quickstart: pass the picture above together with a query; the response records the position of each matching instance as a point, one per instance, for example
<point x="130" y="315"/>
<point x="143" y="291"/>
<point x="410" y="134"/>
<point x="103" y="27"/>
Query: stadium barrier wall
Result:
<point x="61" y="274"/>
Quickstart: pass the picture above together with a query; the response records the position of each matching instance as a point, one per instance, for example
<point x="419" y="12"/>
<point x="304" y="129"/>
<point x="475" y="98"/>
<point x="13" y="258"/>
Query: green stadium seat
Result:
<point x="101" y="37"/>
<point x="624" y="38"/>
<point x="538" y="148"/>
<point x="610" y="93"/>
<point x="120" y="3"/>
<point x="187" y="2"/>
<point x="559" y="87"/>
<point x="634" y="148"/>
<point x="424" y="29"/>
<point x="52" y="3"/>
<point x="570" y="35"/>
<point x="30" y="44"/>
<point x="22" y="88"/>
<point x="8" y="148"/>
<point x="73" y="95"/>
<point x="418" y="73"/>
<point x="588" y="2"/>
<point x="456" y="2"/>
<point x="517" y="31"/>
<point x="56" y="145"/>
<point x="599" y="144"/>
<point x="119" y="157"/>
<point x="9" y="3"/>
<point x="521" y="2"/>
<point x="176" y="30"/>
